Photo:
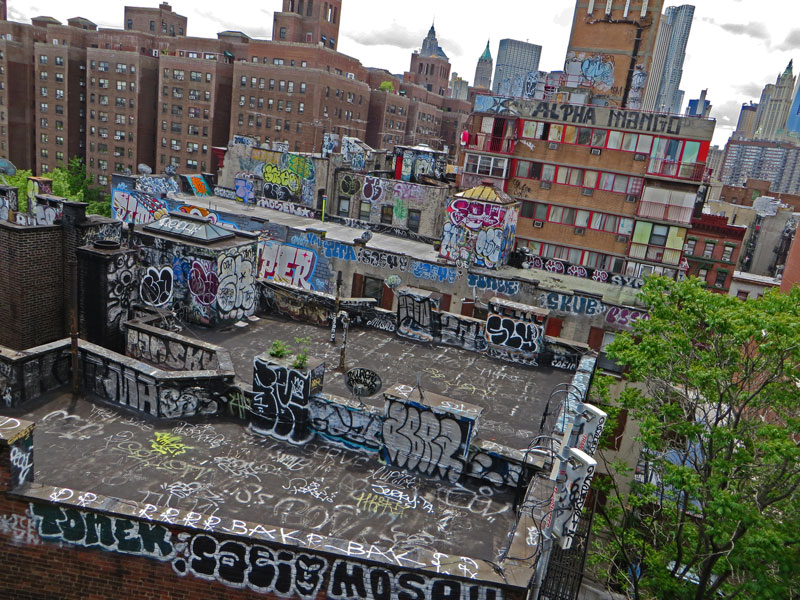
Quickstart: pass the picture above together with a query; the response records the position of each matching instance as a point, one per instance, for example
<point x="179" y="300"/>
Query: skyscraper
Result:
<point x="662" y="92"/>
<point x="793" y="122"/>
<point x="746" y="125"/>
<point x="774" y="106"/>
<point x="517" y="68"/>
<point x="483" y="71"/>
<point x="430" y="67"/>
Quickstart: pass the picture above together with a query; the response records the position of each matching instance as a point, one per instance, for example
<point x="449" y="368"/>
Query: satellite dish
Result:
<point x="144" y="169"/>
<point x="6" y="168"/>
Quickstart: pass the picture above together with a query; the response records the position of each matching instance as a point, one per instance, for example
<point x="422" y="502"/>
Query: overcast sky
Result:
<point x="735" y="46"/>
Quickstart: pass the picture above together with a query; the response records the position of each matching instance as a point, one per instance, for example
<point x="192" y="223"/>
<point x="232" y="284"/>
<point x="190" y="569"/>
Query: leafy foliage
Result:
<point x="713" y="386"/>
<point x="279" y="349"/>
<point x="72" y="182"/>
<point x="386" y="86"/>
<point x="301" y="358"/>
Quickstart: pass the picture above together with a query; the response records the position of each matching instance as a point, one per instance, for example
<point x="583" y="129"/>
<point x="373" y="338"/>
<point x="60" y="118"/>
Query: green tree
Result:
<point x="713" y="385"/>
<point x="386" y="86"/>
<point x="72" y="182"/>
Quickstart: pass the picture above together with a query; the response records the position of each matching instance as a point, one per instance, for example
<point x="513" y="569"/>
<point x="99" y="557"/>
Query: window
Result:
<point x="688" y="247"/>
<point x="486" y="165"/>
<point x="727" y="252"/>
<point x="101" y="65"/>
<point x="743" y="295"/>
<point x="373" y="288"/>
<point x="658" y="237"/>
<point x="413" y="220"/>
<point x="719" y="280"/>
<point x="282" y="33"/>
<point x="344" y="206"/>
<point x="708" y="250"/>
<point x="42" y="59"/>
<point x="386" y="214"/>
<point x="290" y="86"/>
<point x="303" y="87"/>
<point x="366" y="206"/>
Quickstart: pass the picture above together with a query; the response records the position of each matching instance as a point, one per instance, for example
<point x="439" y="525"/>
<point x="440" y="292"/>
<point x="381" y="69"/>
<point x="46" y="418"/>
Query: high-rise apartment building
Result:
<point x="774" y="106"/>
<point x="776" y="162"/>
<point x="611" y="49"/>
<point x="61" y="90"/>
<point x="295" y="93"/>
<point x="662" y="93"/>
<point x="483" y="70"/>
<point x="121" y="115"/>
<point x="17" y="98"/>
<point x="155" y="21"/>
<point x="149" y="94"/>
<point x="308" y="22"/>
<point x="517" y="68"/>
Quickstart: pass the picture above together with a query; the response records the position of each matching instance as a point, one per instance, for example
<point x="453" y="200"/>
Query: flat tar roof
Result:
<point x="314" y="496"/>
<point x="513" y="396"/>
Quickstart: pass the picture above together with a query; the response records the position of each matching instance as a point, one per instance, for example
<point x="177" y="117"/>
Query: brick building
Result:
<point x="308" y="22"/>
<point x="756" y="188"/>
<point x="602" y="188"/>
<point x="155" y="21"/>
<point x="57" y="100"/>
<point x="712" y="250"/>
<point x="611" y="48"/>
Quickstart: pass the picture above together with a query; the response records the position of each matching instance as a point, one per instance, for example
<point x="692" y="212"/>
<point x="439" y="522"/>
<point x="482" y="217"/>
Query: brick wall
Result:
<point x="31" y="282"/>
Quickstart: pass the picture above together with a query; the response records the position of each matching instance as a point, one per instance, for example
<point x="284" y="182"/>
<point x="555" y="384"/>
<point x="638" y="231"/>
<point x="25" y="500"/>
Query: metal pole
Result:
<point x="73" y="325"/>
<point x="345" y="323"/>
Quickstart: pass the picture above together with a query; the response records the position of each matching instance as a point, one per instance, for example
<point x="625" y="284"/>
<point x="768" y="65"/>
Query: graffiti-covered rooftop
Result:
<point x="513" y="396"/>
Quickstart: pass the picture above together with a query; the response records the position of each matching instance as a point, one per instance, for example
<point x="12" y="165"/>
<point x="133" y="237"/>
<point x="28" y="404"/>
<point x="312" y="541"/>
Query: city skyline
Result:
<point x="755" y="52"/>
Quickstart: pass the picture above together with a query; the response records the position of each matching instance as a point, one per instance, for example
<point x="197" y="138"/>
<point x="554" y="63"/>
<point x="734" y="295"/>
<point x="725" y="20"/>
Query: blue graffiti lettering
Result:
<point x="501" y="286"/>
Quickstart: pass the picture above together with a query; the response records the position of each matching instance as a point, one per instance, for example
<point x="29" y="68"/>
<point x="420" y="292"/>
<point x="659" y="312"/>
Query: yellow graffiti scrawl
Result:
<point x="282" y="177"/>
<point x="168" y="444"/>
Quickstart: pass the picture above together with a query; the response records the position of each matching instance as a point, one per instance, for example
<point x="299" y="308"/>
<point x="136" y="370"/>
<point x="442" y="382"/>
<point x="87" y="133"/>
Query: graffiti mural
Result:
<point x="595" y="71"/>
<point x="515" y="332"/>
<point x="417" y="439"/>
<point x="284" y="263"/>
<point x="244" y="189"/>
<point x="346" y="427"/>
<point x="198" y="185"/>
<point x="136" y="207"/>
<point x="280" y="406"/>
<point x="236" y="293"/>
<point x="156" y="286"/>
<point x="253" y="566"/>
<point x="203" y="282"/>
<point x="122" y="288"/>
<point x="415" y="317"/>
<point x="415" y="163"/>
<point x="354" y="153"/>
<point x="636" y="92"/>
<point x="478" y="232"/>
<point x="357" y="581"/>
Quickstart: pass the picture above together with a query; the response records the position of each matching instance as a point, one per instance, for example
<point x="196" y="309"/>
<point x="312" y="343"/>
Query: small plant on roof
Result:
<point x="301" y="358"/>
<point x="279" y="349"/>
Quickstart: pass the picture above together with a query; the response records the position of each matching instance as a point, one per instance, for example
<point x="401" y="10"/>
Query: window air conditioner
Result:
<point x="579" y="230"/>
<point x="545" y="185"/>
<point x="639" y="156"/>
<point x="622" y="238"/>
<point x="595" y="151"/>
<point x="538" y="224"/>
<point x="587" y="192"/>
<point x="552" y="145"/>
<point x="630" y="198"/>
